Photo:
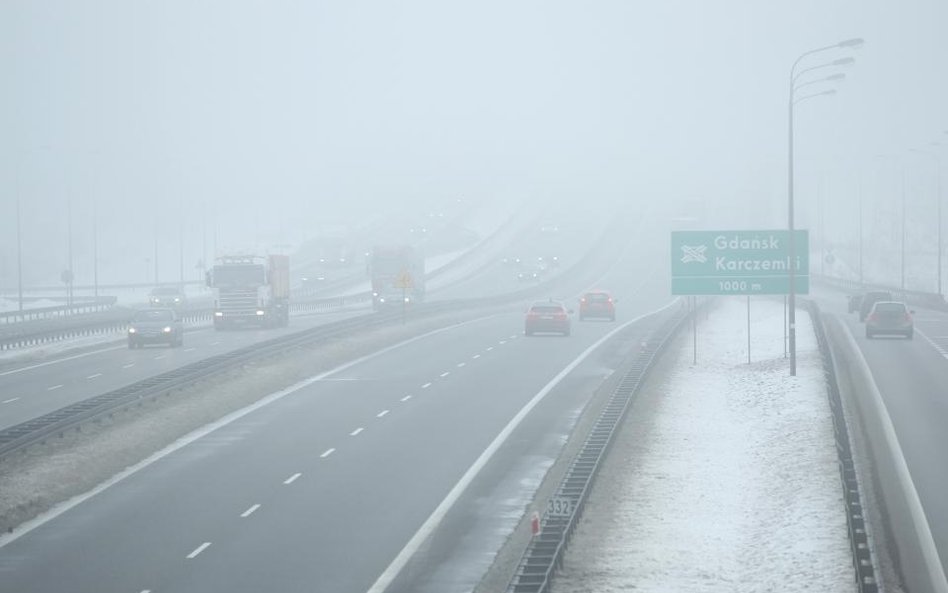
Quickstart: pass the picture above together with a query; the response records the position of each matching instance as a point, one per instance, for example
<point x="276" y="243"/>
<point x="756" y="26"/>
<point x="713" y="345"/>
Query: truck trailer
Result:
<point x="250" y="290"/>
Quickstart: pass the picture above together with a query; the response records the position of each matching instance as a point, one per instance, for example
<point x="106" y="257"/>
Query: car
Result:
<point x="547" y="317"/>
<point x="871" y="298"/>
<point x="156" y="326"/>
<point x="890" y="318"/>
<point x="167" y="296"/>
<point x="598" y="304"/>
<point x="853" y="303"/>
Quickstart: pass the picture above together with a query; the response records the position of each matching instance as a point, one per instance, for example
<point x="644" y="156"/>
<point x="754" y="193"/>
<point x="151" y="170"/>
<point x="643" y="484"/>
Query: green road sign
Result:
<point x="738" y="262"/>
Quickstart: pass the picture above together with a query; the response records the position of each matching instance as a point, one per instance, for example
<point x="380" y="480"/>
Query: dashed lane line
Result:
<point x="476" y="356"/>
<point x="95" y="376"/>
<point x="292" y="478"/>
<point x="426" y="386"/>
<point x="198" y="550"/>
<point x="381" y="414"/>
<point x="249" y="511"/>
<point x="128" y="366"/>
<point x="406" y="398"/>
<point x="445" y="374"/>
<point x="11" y="400"/>
<point x="189" y="349"/>
<point x="462" y="364"/>
<point x="160" y="356"/>
<point x="53" y="388"/>
<point x="356" y="431"/>
<point x="328" y="452"/>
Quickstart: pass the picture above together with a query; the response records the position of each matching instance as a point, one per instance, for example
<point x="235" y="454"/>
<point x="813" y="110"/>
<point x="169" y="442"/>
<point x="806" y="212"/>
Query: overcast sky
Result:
<point x="267" y="118"/>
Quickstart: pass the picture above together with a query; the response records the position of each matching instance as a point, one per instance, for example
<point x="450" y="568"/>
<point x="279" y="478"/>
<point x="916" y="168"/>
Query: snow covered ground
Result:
<point x="724" y="476"/>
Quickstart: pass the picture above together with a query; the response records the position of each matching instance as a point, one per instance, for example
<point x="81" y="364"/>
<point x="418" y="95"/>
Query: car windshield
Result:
<point x="597" y="297"/>
<point x="890" y="307"/>
<point x="166" y="292"/>
<point x="154" y="316"/>
<point x="546" y="309"/>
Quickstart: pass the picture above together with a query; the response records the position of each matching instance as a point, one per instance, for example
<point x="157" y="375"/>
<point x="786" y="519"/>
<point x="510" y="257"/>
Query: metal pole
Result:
<point x="69" y="251"/>
<point x="95" y="250"/>
<point x="19" y="257"/>
<point x="792" y="297"/>
<point x="784" y="326"/>
<point x="156" y="252"/>
<point x="748" y="329"/>
<point x="859" y="197"/>
<point x="938" y="172"/>
<point x="694" y="329"/>
<point x="902" y="280"/>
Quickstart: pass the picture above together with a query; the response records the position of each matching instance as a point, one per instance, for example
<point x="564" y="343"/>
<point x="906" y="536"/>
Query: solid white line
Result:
<point x="328" y="452"/>
<point x="426" y="386"/>
<point x="356" y="431"/>
<point x="11" y="400"/>
<point x="59" y="360"/>
<point x="462" y="364"/>
<point x="56" y="511"/>
<point x="439" y="513"/>
<point x="250" y="511"/>
<point x="935" y="345"/>
<point x="198" y="550"/>
<point x="382" y="413"/>
<point x="53" y="388"/>
<point x="94" y="376"/>
<point x="406" y="398"/>
<point x="445" y="374"/>
<point x="292" y="478"/>
<point x="128" y="366"/>
<point x="936" y="573"/>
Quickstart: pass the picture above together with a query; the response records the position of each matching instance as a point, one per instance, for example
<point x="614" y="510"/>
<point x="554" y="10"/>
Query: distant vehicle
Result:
<point x="547" y="317"/>
<point x="250" y="290"/>
<point x="397" y="274"/>
<point x="598" y="304"/>
<point x="853" y="303"/>
<point x="890" y="318"/>
<point x="167" y="296"/>
<point x="871" y="298"/>
<point x="549" y="227"/>
<point x="156" y="326"/>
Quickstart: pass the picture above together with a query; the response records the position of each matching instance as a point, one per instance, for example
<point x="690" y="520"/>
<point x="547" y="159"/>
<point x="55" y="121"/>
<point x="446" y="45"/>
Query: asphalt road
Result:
<point x="911" y="376"/>
<point x="320" y="490"/>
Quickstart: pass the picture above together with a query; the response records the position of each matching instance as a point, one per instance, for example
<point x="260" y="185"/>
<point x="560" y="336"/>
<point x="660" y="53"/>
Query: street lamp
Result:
<point x="791" y="103"/>
<point x="937" y="161"/>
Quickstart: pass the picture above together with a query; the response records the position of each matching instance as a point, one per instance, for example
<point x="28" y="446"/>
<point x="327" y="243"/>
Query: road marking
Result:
<point x="445" y="374"/>
<point x="461" y="364"/>
<point x="249" y="511"/>
<point x="356" y="431"/>
<point x="160" y="356"/>
<point x="476" y="356"/>
<point x="128" y="366"/>
<point x="11" y="400"/>
<point x="94" y="376"/>
<point x="382" y="413"/>
<point x="327" y="453"/>
<point x="931" y="341"/>
<point x="198" y="550"/>
<point x="489" y="348"/>
<point x="59" y="360"/>
<point x="503" y="341"/>
<point x="406" y="398"/>
<point x="215" y="343"/>
<point x="146" y="590"/>
<point x="426" y="386"/>
<point x="53" y="388"/>
<point x="514" y="337"/>
<point x="189" y="349"/>
<point x="429" y="526"/>
<point x="292" y="478"/>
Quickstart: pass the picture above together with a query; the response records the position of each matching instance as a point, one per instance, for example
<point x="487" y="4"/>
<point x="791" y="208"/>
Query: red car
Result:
<point x="597" y="303"/>
<point x="548" y="317"/>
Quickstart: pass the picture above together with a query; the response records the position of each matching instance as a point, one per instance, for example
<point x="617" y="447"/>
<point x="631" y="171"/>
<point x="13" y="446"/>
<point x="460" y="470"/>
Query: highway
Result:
<point x="322" y="488"/>
<point x="911" y="376"/>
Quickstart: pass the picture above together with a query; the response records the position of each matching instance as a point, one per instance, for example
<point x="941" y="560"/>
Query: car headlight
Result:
<point x="218" y="313"/>
<point x="167" y="329"/>
<point x="132" y="330"/>
<point x="381" y="299"/>
<point x="407" y="299"/>
<point x="177" y="300"/>
<point x="260" y="312"/>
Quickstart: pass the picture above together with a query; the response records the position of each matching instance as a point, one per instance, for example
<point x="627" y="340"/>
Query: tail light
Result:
<point x="560" y="315"/>
<point x="582" y="300"/>
<point x="908" y="317"/>
<point x="873" y="317"/>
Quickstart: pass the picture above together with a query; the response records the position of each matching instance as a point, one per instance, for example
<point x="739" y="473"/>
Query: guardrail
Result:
<point x="544" y="553"/>
<point x="863" y="561"/>
<point x="928" y="300"/>
<point x="94" y="306"/>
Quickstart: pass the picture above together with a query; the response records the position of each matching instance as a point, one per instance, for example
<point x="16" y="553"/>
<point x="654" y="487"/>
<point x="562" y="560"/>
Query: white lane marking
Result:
<point x="146" y="590"/>
<point x="462" y="364"/>
<point x="59" y="360"/>
<point x="356" y="431"/>
<point x="328" y="452"/>
<point x="11" y="400"/>
<point x="514" y="337"/>
<point x="292" y="478"/>
<point x="503" y="341"/>
<point x="189" y="349"/>
<point x="476" y="356"/>
<point x="94" y="376"/>
<point x="931" y="341"/>
<point x="489" y="348"/>
<point x="160" y="356"/>
<point x="249" y="511"/>
<point x="426" y="386"/>
<point x="428" y="527"/>
<point x="29" y="526"/>
<point x="381" y="414"/>
<point x="406" y="398"/>
<point x="53" y="388"/>
<point x="923" y="532"/>
<point x="445" y="374"/>
<point x="198" y="550"/>
<point x="215" y="343"/>
<point x="128" y="366"/>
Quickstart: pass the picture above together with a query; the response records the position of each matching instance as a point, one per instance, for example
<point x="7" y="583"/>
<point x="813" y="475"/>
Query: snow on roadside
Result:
<point x="724" y="477"/>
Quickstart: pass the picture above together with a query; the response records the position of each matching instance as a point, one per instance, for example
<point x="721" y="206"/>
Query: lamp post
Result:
<point x="937" y="162"/>
<point x="19" y="258"/>
<point x="791" y="102"/>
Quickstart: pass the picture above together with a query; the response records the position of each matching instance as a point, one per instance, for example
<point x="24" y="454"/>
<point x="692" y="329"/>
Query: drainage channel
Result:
<point x="544" y="553"/>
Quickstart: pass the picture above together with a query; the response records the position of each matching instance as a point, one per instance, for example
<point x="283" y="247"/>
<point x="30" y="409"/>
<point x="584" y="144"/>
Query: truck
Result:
<point x="397" y="273"/>
<point x="250" y="290"/>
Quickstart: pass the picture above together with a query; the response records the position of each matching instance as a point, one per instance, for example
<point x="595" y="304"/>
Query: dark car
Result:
<point x="853" y="303"/>
<point x="156" y="326"/>
<point x="871" y="298"/>
<point x="547" y="317"/>
<point x="597" y="304"/>
<point x="890" y="318"/>
<point x="167" y="296"/>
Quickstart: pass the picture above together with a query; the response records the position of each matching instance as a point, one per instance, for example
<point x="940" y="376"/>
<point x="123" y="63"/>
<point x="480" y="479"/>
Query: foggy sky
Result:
<point x="262" y="120"/>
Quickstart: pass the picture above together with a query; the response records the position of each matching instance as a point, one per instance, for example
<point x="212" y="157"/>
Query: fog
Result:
<point x="260" y="122"/>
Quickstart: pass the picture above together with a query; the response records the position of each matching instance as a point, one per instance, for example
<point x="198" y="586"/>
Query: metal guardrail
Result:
<point x="863" y="562"/>
<point x="544" y="553"/>
<point x="918" y="298"/>
<point x="93" y="306"/>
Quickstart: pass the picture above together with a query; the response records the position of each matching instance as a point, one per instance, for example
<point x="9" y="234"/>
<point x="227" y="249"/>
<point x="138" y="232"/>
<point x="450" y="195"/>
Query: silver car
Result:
<point x="890" y="318"/>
